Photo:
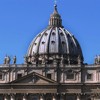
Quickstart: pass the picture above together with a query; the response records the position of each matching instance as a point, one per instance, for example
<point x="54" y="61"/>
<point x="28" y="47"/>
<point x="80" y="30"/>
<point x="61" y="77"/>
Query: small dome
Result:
<point x="55" y="44"/>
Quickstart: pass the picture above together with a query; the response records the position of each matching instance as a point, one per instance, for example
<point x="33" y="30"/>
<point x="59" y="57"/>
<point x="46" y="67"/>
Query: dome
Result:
<point x="55" y="44"/>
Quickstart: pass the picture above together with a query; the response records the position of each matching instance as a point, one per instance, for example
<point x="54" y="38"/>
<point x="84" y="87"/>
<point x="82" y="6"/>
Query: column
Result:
<point x="62" y="97"/>
<point x="24" y="97"/>
<point x="5" y="97"/>
<point x="78" y="97"/>
<point x="54" y="98"/>
<point x="62" y="77"/>
<point x="41" y="98"/>
<point x="12" y="97"/>
<point x="55" y="76"/>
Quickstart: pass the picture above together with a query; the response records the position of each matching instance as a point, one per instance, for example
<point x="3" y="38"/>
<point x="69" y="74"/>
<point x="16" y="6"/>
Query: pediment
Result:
<point x="33" y="78"/>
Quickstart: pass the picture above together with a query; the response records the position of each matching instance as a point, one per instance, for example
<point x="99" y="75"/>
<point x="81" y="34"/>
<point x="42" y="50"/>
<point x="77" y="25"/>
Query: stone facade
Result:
<point x="28" y="82"/>
<point x="53" y="69"/>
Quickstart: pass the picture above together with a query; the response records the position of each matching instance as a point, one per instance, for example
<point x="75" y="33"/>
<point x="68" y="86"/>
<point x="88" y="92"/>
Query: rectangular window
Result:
<point x="19" y="75"/>
<point x="0" y="76"/>
<point x="70" y="76"/>
<point x="49" y="76"/>
<point x="89" y="76"/>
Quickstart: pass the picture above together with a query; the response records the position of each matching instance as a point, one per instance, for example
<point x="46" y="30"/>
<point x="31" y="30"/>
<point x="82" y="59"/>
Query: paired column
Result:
<point x="54" y="98"/>
<point x="24" y="97"/>
<point x="41" y="97"/>
<point x="6" y="98"/>
<point x="12" y="97"/>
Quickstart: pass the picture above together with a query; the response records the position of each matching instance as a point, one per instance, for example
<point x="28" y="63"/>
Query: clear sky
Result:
<point x="22" y="20"/>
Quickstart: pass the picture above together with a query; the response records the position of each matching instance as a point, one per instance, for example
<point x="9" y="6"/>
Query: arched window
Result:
<point x="1" y="76"/>
<point x="61" y="34"/>
<point x="52" y="42"/>
<point x="35" y="43"/>
<point x="46" y="34"/>
<point x="70" y="75"/>
<point x="19" y="75"/>
<point x="89" y="76"/>
<point x="63" y="43"/>
<point x="43" y="42"/>
<point x="53" y="33"/>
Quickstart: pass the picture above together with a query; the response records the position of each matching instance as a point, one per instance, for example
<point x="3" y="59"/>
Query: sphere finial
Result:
<point x="55" y="2"/>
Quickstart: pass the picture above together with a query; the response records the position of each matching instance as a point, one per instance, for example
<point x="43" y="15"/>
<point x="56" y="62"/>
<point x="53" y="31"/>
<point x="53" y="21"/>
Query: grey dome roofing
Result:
<point x="55" y="40"/>
<point x="55" y="43"/>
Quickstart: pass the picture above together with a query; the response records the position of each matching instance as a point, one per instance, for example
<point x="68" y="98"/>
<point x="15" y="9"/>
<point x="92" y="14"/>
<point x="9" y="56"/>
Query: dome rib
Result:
<point x="41" y="41"/>
<point x="58" y="45"/>
<point x="49" y="40"/>
<point x="67" y="43"/>
<point x="30" y="50"/>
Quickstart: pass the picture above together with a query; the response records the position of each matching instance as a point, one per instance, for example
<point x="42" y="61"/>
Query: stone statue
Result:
<point x="55" y="61"/>
<point x="62" y="60"/>
<point x="79" y="60"/>
<point x="43" y="60"/>
<point x="68" y="60"/>
<point x="99" y="59"/>
<point x="26" y="59"/>
<point x="96" y="60"/>
<point x="29" y="58"/>
<point x="33" y="60"/>
<point x="7" y="60"/>
<point x="14" y="60"/>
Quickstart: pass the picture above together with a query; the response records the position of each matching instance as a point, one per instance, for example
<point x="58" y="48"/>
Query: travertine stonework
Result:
<point x="54" y="69"/>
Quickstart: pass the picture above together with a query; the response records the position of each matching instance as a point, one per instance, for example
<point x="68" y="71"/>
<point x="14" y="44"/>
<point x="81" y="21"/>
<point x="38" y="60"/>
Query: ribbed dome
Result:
<point x="55" y="44"/>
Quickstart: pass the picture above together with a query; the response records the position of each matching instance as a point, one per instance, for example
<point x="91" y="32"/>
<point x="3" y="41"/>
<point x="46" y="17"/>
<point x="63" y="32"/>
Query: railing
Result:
<point x="48" y="65"/>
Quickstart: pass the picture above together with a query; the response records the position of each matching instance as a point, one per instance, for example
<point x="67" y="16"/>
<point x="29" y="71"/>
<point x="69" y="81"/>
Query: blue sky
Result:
<point x="22" y="20"/>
